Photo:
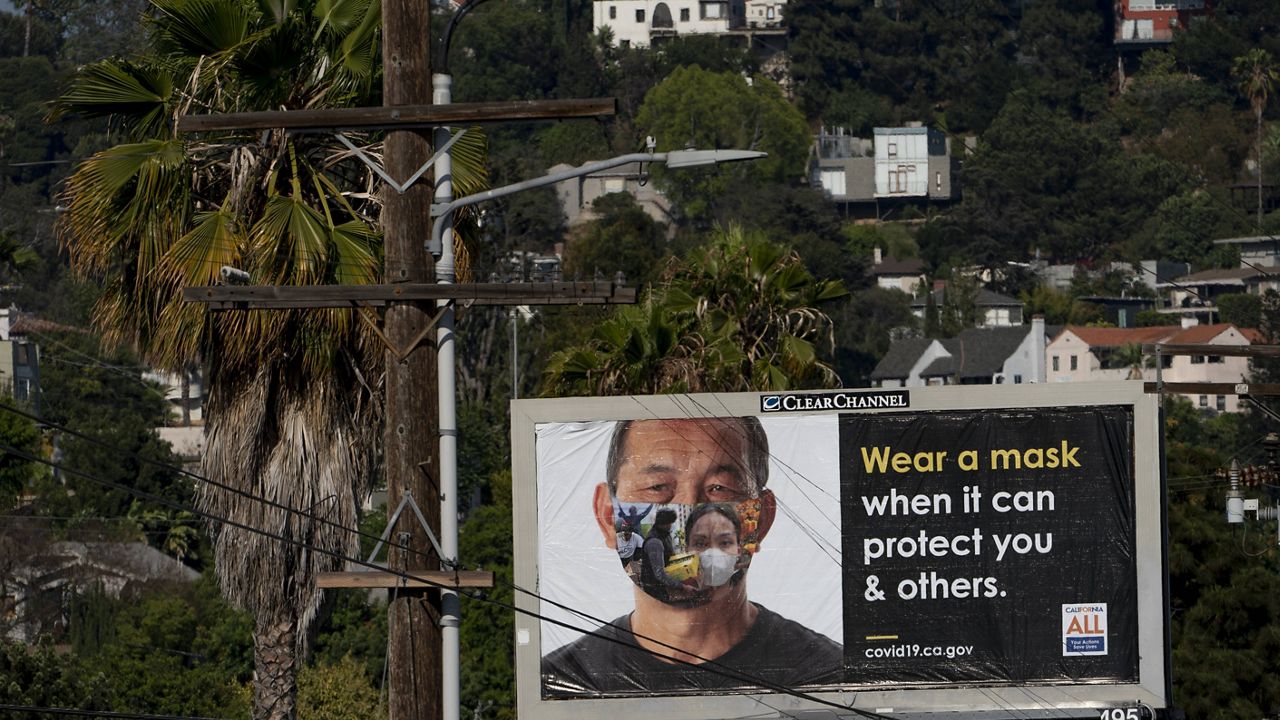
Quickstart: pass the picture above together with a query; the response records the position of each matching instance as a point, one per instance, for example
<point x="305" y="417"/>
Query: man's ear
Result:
<point x="603" y="503"/>
<point x="768" y="509"/>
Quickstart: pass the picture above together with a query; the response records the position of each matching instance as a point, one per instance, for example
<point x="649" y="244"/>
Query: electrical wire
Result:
<point x="98" y="713"/>
<point x="705" y="664"/>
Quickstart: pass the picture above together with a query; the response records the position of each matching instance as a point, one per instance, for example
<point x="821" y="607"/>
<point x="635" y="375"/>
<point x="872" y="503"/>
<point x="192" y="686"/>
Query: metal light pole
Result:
<point x="442" y="246"/>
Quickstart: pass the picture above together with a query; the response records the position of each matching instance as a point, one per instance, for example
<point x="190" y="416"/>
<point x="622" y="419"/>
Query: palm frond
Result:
<point x="136" y="94"/>
<point x="201" y="27"/>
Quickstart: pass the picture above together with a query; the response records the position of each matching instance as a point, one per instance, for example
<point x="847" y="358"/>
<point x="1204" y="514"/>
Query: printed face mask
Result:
<point x="697" y="547"/>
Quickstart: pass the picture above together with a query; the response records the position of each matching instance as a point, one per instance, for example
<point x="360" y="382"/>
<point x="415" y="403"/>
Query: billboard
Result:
<point x="903" y="551"/>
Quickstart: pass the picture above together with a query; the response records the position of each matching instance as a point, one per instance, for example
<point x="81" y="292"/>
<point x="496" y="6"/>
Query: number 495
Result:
<point x="1120" y="714"/>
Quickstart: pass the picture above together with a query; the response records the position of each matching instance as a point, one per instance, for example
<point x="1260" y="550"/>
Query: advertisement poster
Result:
<point x="992" y="547"/>
<point x="842" y="550"/>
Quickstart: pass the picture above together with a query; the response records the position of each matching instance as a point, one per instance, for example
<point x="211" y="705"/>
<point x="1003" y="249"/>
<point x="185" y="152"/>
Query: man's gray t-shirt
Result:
<point x="775" y="651"/>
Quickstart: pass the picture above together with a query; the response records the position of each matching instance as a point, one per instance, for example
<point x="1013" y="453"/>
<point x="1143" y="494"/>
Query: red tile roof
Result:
<point x="1171" y="334"/>
<point x="1118" y="337"/>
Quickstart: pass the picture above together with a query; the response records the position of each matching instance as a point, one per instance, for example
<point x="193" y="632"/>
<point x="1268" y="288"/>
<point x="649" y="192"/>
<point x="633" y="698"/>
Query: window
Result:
<point x="712" y="10"/>
<point x="640" y="16"/>
<point x="937" y="180"/>
<point x="833" y="181"/>
<point x="684" y="14"/>
<point x="613" y="12"/>
<point x="1222" y="403"/>
<point x="1075" y="363"/>
<point x="769" y="15"/>
<point x="893" y="150"/>
<point x="1055" y="363"/>
<point x="21" y="388"/>
<point x="1017" y="379"/>
<point x="24" y="357"/>
<point x="1215" y="359"/>
<point x="626" y="43"/>
<point x="1204" y="401"/>
<point x="1197" y="359"/>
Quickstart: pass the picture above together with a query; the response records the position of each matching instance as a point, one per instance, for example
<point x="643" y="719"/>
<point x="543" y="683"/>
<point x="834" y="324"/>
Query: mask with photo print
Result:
<point x="708" y="545"/>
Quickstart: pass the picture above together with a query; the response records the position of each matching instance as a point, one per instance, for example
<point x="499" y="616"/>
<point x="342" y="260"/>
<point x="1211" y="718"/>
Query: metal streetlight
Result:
<point x="442" y="211"/>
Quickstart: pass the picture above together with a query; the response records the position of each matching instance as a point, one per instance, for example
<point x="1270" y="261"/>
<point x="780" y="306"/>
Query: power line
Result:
<point x="98" y="713"/>
<point x="706" y="664"/>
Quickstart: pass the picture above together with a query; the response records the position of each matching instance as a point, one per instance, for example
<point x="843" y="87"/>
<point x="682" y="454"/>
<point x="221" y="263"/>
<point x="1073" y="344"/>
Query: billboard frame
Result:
<point x="1084" y="700"/>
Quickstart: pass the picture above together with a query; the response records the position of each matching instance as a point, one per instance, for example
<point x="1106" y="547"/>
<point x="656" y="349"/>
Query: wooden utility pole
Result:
<point x="411" y="451"/>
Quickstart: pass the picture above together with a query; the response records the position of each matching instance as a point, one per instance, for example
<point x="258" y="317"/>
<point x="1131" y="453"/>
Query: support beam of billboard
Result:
<point x="1259" y="351"/>
<point x="1209" y="388"/>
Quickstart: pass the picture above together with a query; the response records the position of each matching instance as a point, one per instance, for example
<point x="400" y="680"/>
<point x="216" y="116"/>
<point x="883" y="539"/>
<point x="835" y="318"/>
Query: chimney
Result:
<point x="1189" y="322"/>
<point x="1038" y="342"/>
<point x="877" y="257"/>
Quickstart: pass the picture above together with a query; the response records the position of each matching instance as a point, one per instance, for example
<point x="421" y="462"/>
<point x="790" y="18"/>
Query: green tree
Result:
<point x="487" y="634"/>
<point x="40" y="677"/>
<point x="17" y="474"/>
<point x="1244" y="310"/>
<point x="338" y="691"/>
<point x="741" y="313"/>
<point x="1257" y="74"/>
<point x="699" y="108"/>
<point x="622" y="239"/>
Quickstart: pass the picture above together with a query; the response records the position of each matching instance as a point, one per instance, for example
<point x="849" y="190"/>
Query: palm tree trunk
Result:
<point x="275" y="666"/>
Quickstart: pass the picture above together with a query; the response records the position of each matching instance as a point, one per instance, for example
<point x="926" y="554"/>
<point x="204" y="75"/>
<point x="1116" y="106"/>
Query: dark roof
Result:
<point x="894" y="266"/>
<point x="985" y="298"/>
<point x="902" y="356"/>
<point x="1227" y="276"/>
<point x="981" y="352"/>
<point x="976" y="352"/>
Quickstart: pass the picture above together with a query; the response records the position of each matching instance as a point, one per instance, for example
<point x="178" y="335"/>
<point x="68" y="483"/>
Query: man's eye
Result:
<point x="723" y="491"/>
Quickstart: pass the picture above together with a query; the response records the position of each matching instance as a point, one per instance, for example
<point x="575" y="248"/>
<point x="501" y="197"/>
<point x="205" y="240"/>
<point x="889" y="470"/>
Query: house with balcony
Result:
<point x="977" y="356"/>
<point x="1093" y="354"/>
<point x="1194" y="296"/>
<point x="899" y="165"/>
<point x="642" y="23"/>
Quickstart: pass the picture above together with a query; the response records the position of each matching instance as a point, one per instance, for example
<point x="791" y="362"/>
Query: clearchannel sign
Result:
<point x="844" y="400"/>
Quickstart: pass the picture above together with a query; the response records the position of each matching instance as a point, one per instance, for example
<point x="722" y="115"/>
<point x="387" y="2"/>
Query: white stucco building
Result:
<point x="641" y="23"/>
<point x="1090" y="354"/>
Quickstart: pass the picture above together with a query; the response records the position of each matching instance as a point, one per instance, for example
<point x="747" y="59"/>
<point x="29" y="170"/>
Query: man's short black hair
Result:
<point x="755" y="472"/>
<point x="665" y="516"/>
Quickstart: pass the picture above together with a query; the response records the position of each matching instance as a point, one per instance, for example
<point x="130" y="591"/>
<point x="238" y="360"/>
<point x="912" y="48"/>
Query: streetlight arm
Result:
<point x="446" y="255"/>
<point x="674" y="159"/>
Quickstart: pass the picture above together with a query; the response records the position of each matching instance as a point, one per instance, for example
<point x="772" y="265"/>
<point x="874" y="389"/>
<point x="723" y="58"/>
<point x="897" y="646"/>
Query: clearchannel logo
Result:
<point x="845" y="400"/>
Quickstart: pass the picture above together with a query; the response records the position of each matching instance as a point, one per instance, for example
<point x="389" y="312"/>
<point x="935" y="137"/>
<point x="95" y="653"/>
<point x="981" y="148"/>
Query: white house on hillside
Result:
<point x="1091" y="354"/>
<point x="641" y="23"/>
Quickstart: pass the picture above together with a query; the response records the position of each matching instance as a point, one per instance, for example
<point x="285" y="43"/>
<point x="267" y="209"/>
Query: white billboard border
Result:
<point x="1083" y="700"/>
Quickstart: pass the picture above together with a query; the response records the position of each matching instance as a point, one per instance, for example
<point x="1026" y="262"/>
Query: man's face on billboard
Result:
<point x="684" y="462"/>
<point x="682" y="468"/>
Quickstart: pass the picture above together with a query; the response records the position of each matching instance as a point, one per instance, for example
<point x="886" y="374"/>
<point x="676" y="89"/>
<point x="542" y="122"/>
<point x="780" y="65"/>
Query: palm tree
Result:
<point x="740" y="313"/>
<point x="293" y="409"/>
<point x="1130" y="355"/>
<point x="1257" y="74"/>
